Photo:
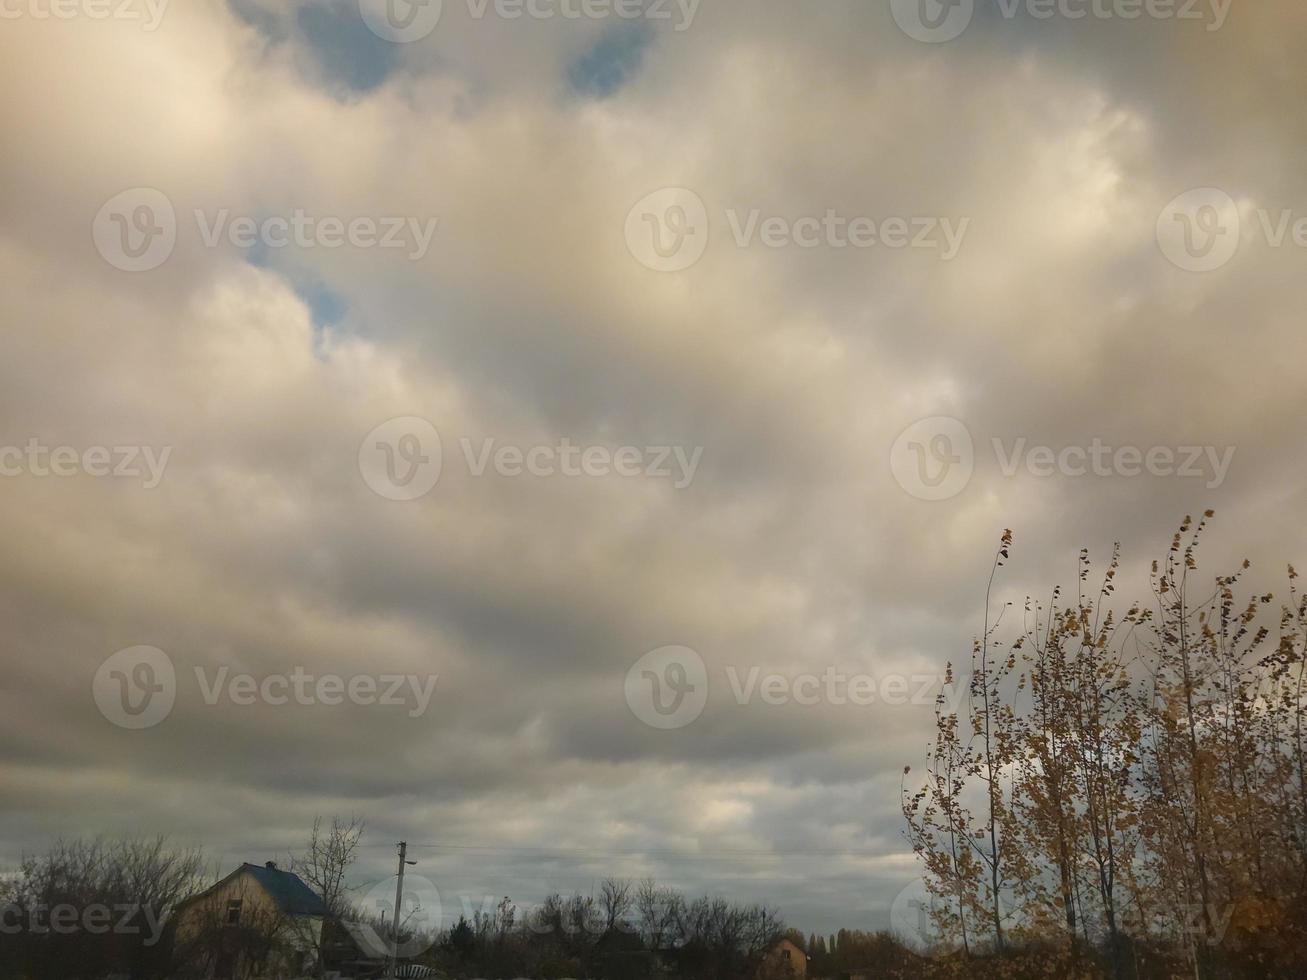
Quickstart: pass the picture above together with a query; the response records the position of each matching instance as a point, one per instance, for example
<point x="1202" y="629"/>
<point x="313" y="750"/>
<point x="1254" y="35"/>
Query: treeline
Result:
<point x="628" y="931"/>
<point x="850" y="951"/>
<point x="1121" y="795"/>
<point x="1124" y="791"/>
<point x="90" y="909"/>
<point x="95" y="909"/>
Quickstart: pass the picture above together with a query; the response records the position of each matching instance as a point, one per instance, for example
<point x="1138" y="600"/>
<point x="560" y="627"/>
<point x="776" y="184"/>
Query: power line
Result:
<point x="712" y="853"/>
<point x="526" y="878"/>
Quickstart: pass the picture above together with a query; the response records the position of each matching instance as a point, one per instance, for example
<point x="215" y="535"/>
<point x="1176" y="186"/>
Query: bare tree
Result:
<point x="323" y="865"/>
<point x="118" y="895"/>
<point x="615" y="903"/>
<point x="1142" y="779"/>
<point x="659" y="909"/>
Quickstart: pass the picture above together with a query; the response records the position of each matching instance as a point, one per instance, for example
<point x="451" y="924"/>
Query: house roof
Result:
<point x="287" y="889"/>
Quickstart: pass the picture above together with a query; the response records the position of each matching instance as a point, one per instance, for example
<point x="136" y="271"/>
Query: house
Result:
<point x="783" y="961"/>
<point x="259" y="921"/>
<point x="620" y="953"/>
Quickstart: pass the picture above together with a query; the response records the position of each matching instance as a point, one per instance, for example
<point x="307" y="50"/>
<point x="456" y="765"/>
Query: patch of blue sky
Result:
<point x="611" y="61"/>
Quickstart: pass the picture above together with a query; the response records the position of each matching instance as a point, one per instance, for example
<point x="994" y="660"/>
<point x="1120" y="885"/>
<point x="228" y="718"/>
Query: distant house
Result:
<point x="259" y="921"/>
<point x="620" y="954"/>
<point x="783" y="960"/>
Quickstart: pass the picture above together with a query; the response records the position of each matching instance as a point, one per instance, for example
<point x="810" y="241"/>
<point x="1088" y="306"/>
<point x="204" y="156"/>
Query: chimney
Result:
<point x="271" y="865"/>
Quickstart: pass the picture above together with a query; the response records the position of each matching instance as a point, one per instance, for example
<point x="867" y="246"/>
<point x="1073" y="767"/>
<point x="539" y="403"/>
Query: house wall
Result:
<point x="211" y="909"/>
<point x="203" y="921"/>
<point x="776" y="965"/>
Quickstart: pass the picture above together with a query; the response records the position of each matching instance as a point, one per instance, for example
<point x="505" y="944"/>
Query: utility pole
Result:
<point x="399" y="903"/>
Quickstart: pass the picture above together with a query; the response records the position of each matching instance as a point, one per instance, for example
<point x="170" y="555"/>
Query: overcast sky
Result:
<point x="651" y="414"/>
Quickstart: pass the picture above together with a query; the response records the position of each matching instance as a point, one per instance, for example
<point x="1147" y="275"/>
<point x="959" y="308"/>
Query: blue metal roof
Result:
<point x="287" y="889"/>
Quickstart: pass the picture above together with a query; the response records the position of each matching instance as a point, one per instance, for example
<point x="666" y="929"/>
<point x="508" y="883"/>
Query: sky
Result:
<point x="573" y="438"/>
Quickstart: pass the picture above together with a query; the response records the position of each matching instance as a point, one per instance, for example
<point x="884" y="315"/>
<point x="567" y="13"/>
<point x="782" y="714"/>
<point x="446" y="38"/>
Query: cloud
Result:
<point x="528" y="322"/>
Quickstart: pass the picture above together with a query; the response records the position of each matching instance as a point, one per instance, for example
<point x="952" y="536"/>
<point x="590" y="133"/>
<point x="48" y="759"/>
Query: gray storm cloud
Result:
<point x="527" y="320"/>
